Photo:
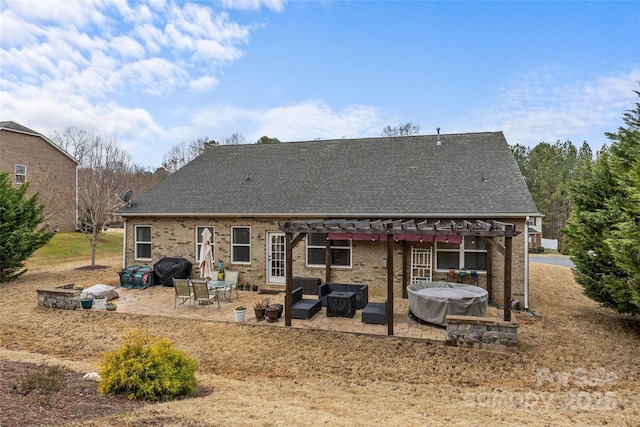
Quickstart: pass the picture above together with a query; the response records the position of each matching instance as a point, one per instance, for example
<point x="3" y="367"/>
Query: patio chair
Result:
<point x="231" y="276"/>
<point x="201" y="293"/>
<point x="183" y="291"/>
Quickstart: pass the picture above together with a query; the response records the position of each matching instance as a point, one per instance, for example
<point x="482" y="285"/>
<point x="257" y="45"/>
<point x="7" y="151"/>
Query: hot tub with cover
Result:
<point x="433" y="301"/>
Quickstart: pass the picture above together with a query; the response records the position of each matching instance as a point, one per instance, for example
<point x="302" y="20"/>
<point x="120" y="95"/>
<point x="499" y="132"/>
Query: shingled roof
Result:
<point x="467" y="174"/>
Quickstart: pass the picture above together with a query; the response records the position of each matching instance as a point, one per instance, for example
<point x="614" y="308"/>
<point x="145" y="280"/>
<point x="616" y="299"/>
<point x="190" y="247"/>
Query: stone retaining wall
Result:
<point x="481" y="332"/>
<point x="63" y="296"/>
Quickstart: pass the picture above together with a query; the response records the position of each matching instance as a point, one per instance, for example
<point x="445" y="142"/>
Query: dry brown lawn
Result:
<point x="577" y="364"/>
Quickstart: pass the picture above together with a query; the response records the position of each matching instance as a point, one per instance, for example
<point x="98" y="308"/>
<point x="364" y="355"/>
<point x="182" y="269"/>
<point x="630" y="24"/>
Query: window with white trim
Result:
<point x="470" y="255"/>
<point x="21" y="174"/>
<point x="240" y="245"/>
<point x="199" y="230"/>
<point x="340" y="251"/>
<point x="143" y="242"/>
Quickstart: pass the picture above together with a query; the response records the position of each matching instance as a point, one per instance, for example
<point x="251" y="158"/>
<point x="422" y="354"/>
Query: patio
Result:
<point x="159" y="301"/>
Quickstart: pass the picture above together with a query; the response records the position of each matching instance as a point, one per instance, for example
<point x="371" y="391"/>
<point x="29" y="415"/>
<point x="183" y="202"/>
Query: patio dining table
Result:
<point x="217" y="286"/>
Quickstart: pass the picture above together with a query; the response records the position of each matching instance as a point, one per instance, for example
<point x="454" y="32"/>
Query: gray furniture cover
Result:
<point x="433" y="301"/>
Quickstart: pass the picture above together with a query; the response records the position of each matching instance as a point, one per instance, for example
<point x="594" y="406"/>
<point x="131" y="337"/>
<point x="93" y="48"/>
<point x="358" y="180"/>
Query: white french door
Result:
<point x="276" y="262"/>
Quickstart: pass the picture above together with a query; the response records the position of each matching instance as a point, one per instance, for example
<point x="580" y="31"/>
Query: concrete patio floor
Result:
<point x="159" y="301"/>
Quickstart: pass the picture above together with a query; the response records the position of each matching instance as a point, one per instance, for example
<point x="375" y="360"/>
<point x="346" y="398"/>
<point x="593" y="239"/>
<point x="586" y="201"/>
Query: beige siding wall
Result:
<point x="176" y="237"/>
<point x="50" y="172"/>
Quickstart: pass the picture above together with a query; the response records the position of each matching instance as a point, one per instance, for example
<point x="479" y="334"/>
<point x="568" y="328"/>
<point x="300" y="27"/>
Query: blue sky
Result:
<point x="159" y="73"/>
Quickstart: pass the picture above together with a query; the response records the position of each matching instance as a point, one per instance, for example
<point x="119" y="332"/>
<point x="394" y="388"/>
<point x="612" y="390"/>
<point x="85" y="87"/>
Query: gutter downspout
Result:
<point x="124" y="245"/>
<point x="526" y="264"/>
<point x="75" y="222"/>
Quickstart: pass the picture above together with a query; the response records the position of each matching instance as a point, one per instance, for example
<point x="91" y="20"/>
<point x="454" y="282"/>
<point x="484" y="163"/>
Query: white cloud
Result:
<point x="156" y="76"/>
<point x="14" y="32"/>
<point x="275" y="5"/>
<point x="68" y="14"/>
<point x="108" y="65"/>
<point x="316" y="120"/>
<point x="203" y="84"/>
<point x="151" y="51"/>
<point x="543" y="106"/>
<point x="127" y="47"/>
<point x="308" y="120"/>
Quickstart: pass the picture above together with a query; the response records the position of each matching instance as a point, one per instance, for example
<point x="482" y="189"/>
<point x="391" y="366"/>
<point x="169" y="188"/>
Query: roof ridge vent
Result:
<point x="438" y="142"/>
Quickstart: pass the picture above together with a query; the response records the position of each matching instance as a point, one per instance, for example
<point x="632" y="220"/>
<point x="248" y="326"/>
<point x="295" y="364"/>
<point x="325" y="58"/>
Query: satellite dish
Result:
<point x="126" y="198"/>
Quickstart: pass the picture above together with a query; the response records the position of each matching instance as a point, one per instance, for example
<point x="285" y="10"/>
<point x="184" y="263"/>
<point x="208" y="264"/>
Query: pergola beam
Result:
<point x="394" y="227"/>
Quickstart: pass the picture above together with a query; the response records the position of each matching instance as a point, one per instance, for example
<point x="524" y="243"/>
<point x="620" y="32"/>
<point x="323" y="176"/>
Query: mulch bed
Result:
<point x="77" y="401"/>
<point x="93" y="267"/>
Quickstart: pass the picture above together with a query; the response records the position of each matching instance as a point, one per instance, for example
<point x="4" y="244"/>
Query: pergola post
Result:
<point x="490" y="270"/>
<point x="507" y="277"/>
<point x="288" y="242"/>
<point x="405" y="269"/>
<point x="327" y="260"/>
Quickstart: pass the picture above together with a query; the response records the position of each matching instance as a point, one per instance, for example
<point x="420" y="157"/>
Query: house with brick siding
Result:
<point x="244" y="194"/>
<point x="30" y="156"/>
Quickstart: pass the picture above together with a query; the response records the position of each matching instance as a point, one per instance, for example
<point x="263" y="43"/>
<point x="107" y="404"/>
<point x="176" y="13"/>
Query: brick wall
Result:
<point x="50" y="172"/>
<point x="176" y="237"/>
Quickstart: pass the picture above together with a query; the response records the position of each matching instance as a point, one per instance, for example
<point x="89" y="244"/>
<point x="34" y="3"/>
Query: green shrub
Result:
<point x="147" y="368"/>
<point x="45" y="380"/>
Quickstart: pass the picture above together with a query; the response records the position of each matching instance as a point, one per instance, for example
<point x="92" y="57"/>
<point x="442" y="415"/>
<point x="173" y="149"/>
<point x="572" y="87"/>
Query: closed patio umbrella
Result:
<point x="206" y="255"/>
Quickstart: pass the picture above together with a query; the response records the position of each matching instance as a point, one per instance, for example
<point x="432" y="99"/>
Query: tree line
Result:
<point x="549" y="171"/>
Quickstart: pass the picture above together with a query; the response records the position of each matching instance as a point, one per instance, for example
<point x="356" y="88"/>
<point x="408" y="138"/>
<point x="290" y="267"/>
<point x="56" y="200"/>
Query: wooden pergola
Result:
<point x="394" y="230"/>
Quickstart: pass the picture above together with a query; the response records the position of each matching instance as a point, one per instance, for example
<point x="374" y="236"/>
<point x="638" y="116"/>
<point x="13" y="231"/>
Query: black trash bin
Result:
<point x="168" y="268"/>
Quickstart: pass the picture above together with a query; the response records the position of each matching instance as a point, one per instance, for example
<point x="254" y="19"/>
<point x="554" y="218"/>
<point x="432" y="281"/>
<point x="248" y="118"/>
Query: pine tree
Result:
<point x="625" y="166"/>
<point x="20" y="216"/>
<point x="605" y="224"/>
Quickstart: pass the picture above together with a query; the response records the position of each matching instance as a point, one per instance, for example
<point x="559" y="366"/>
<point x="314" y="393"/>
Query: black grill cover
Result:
<point x="168" y="268"/>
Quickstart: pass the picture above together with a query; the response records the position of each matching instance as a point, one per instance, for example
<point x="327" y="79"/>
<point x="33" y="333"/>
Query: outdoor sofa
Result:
<point x="309" y="285"/>
<point x="303" y="308"/>
<point x="361" y="291"/>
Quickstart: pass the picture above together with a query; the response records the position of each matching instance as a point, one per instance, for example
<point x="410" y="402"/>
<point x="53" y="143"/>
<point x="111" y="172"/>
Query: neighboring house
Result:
<point x="30" y="156"/>
<point x="244" y="193"/>
<point x="535" y="230"/>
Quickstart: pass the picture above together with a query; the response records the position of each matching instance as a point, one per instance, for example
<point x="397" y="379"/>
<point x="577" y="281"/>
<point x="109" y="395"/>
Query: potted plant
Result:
<point x="272" y="313"/>
<point x="86" y="303"/>
<point x="278" y="307"/>
<point x="85" y="300"/>
<point x="101" y="302"/>
<point x="259" y="308"/>
<point x="111" y="306"/>
<point x="239" y="313"/>
<point x="254" y="287"/>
